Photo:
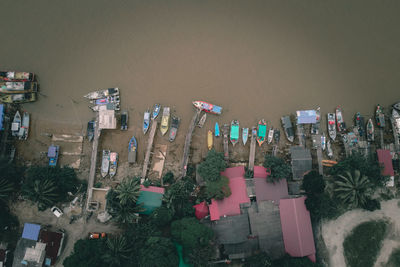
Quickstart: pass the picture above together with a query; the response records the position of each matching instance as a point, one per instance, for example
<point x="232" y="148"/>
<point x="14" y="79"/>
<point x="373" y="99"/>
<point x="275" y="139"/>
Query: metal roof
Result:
<point x="150" y="201"/>
<point x="306" y="116"/>
<point x="301" y="161"/>
<point x="31" y="231"/>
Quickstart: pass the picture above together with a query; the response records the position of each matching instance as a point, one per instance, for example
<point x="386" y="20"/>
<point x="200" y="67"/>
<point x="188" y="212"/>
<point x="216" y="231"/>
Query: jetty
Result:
<point x="252" y="150"/>
<point x="188" y="140"/>
<point x="92" y="171"/>
<point x="148" y="150"/>
<point x="225" y="131"/>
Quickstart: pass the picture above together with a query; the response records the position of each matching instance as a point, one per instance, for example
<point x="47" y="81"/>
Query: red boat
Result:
<point x="207" y="107"/>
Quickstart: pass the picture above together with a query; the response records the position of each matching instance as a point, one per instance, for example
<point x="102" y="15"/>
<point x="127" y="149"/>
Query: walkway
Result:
<point x="188" y="140"/>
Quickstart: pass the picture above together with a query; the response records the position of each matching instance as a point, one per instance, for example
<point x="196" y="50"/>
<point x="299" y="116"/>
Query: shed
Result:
<point x="150" y="198"/>
<point x="301" y="161"/>
<point x="201" y="210"/>
<point x="31" y="231"/>
<point x="306" y="116"/>
<point x="385" y="159"/>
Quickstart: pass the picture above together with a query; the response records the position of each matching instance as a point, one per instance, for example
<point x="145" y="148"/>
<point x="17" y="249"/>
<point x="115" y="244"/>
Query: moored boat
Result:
<point x="17" y="76"/>
<point x="270" y="135"/>
<point x="331" y="126"/>
<point x="329" y="150"/>
<point x="396" y="122"/>
<point x="359" y="122"/>
<point x="17" y="87"/>
<point x="397" y="106"/>
<point x="175" y="121"/>
<point x="207" y="107"/>
<point x="156" y="111"/>
<point x="315" y="126"/>
<point x="209" y="140"/>
<point x="102" y="93"/>
<point x="277" y="135"/>
<point x="106" y="100"/>
<point x="105" y="163"/>
<point x="261" y="131"/>
<point x="108" y="106"/>
<point x="132" y="149"/>
<point x="90" y="130"/>
<point x="113" y="163"/>
<point x="16" y="124"/>
<point x="380" y="117"/>
<point x="18" y="98"/>
<point x="323" y="141"/>
<point x="202" y="120"/>
<point x="53" y="154"/>
<point x="234" y="136"/>
<point x="164" y="121"/>
<point x="216" y="130"/>
<point x="370" y="131"/>
<point x="146" y="121"/>
<point x="245" y="135"/>
<point x="124" y="120"/>
<point x="288" y="128"/>
<point x="24" y="129"/>
<point x="341" y="126"/>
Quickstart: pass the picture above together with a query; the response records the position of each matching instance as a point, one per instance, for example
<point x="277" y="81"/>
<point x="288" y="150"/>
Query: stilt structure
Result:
<point x="93" y="160"/>
<point x="252" y="149"/>
<point x="188" y="140"/>
<point x="225" y="131"/>
<point x="148" y="150"/>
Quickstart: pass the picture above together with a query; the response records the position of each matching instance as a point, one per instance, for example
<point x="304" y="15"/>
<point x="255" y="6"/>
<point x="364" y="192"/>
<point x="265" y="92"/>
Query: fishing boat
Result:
<point x="216" y="129"/>
<point x="16" y="76"/>
<point x="24" y="129"/>
<point x="132" y="149"/>
<point x="245" y="135"/>
<point x="396" y="122"/>
<point x="261" y="131"/>
<point x="207" y="107"/>
<point x="329" y="150"/>
<point x="113" y="163"/>
<point x="53" y="154"/>
<point x="288" y="128"/>
<point x="341" y="126"/>
<point x="323" y="141"/>
<point x="16" y="124"/>
<point x="175" y="121"/>
<point x="146" y="121"/>
<point x="102" y="93"/>
<point x="90" y="130"/>
<point x="124" y="120"/>
<point x="277" y="135"/>
<point x="164" y="121"/>
<point x="210" y="139"/>
<point x="18" y="87"/>
<point x="156" y="111"/>
<point x="105" y="163"/>
<point x="234" y="136"/>
<point x="397" y="106"/>
<point x="315" y="126"/>
<point x="225" y="131"/>
<point x="18" y="98"/>
<point x="109" y="106"/>
<point x="380" y="117"/>
<point x="202" y="120"/>
<point x="331" y="126"/>
<point x="370" y="131"/>
<point x="106" y="100"/>
<point x="270" y="135"/>
<point x="359" y="122"/>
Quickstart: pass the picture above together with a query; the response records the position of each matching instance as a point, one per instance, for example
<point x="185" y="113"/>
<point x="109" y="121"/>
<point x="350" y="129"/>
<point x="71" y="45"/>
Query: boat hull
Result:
<point x="105" y="163"/>
<point x="234" y="136"/>
<point x="113" y="164"/>
<point x="24" y="130"/>
<point x="245" y="135"/>
<point x="174" y="128"/>
<point x="210" y="140"/>
<point x="216" y="129"/>
<point x="132" y="149"/>
<point x="207" y="107"/>
<point x="261" y="131"/>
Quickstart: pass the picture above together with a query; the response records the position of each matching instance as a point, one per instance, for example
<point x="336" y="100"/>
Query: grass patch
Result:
<point x="394" y="259"/>
<point x="362" y="245"/>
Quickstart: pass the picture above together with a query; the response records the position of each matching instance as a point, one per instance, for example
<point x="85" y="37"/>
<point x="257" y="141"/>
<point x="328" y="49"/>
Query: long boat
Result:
<point x="261" y="131"/>
<point x="124" y="120"/>
<point x="315" y="126"/>
<point x="106" y="100"/>
<point x="329" y="150"/>
<point x="323" y="141"/>
<point x="234" y="136"/>
<point x="209" y="139"/>
<point x="16" y="124"/>
<point x="102" y="93"/>
<point x="380" y="117"/>
<point x="396" y="122"/>
<point x="359" y="122"/>
<point x="277" y="135"/>
<point x="175" y="121"/>
<point x="202" y="120"/>
<point x="146" y="121"/>
<point x="331" y="126"/>
<point x="270" y="135"/>
<point x="341" y="126"/>
<point x="370" y="131"/>
<point x="156" y="111"/>
<point x="24" y="129"/>
<point x="397" y="106"/>
<point x="132" y="149"/>
<point x="17" y="76"/>
<point x="18" y="87"/>
<point x="207" y="107"/>
<point x="105" y="163"/>
<point x="164" y="121"/>
<point x="90" y="130"/>
<point x="109" y="106"/>
<point x="288" y="128"/>
<point x="216" y="130"/>
<point x="113" y="163"/>
<point x="18" y="98"/>
<point x="245" y="135"/>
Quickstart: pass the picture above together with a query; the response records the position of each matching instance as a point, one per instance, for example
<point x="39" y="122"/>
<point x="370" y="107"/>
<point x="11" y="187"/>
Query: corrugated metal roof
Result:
<point x="31" y="231"/>
<point x="385" y="158"/>
<point x="306" y="116"/>
<point x="201" y="210"/>
<point x="150" y="201"/>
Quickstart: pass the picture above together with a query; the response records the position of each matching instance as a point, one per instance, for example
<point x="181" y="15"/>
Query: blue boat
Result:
<point x="156" y="111"/>
<point x="146" y="121"/>
<point x="132" y="148"/>
<point x="52" y="154"/>
<point x="216" y="129"/>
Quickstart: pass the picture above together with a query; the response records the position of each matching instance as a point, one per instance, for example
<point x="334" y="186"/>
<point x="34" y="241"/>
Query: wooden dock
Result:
<point x="188" y="140"/>
<point x="381" y="137"/>
<point x="225" y="131"/>
<point x="148" y="150"/>
<point x="252" y="150"/>
<point x="93" y="160"/>
<point x="395" y="136"/>
<point x="319" y="158"/>
<point x="300" y="135"/>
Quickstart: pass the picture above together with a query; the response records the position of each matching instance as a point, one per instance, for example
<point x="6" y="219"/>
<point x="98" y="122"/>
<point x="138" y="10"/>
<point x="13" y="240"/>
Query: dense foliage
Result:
<point x="10" y="178"/>
<point x="394" y="259"/>
<point x="158" y="251"/>
<point x="362" y="245"/>
<point x="212" y="166"/>
<point x="161" y="216"/>
<point x="177" y="198"/>
<point x="278" y="167"/>
<point x="263" y="260"/>
<point x="121" y="213"/>
<point x="128" y="191"/>
<point x="87" y="252"/>
<point x="168" y="178"/>
<point x="8" y="225"/>
<point x="118" y="251"/>
<point x="217" y="189"/>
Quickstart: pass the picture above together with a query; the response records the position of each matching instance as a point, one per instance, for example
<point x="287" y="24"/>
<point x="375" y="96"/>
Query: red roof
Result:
<point x="201" y="210"/>
<point x="268" y="191"/>
<point x="385" y="159"/>
<point x="296" y="228"/>
<point x="53" y="243"/>
<point x="154" y="189"/>
<point x="260" y="172"/>
<point x="231" y="205"/>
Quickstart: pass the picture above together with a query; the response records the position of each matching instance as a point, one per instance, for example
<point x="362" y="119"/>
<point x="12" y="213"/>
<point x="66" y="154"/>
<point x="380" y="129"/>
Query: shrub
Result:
<point x="278" y="168"/>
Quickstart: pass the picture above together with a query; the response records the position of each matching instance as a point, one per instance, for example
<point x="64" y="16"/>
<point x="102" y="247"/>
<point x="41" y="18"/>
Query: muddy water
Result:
<point x="257" y="59"/>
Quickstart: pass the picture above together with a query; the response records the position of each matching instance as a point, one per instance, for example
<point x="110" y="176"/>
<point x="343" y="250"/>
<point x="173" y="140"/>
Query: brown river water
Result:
<point x="256" y="59"/>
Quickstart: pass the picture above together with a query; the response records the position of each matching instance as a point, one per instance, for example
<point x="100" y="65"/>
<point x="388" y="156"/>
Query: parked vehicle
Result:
<point x="56" y="211"/>
<point x="94" y="235"/>
<point x="124" y="120"/>
<point x="52" y="154"/>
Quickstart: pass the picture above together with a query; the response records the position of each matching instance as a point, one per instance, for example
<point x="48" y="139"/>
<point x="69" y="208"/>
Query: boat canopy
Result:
<point x="52" y="152"/>
<point x="235" y="132"/>
<point x="306" y="116"/>
<point x="262" y="130"/>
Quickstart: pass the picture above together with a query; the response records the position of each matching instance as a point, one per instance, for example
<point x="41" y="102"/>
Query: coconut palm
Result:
<point x="118" y="251"/>
<point x="352" y="190"/>
<point x="6" y="189"/>
<point x="44" y="192"/>
<point x="128" y="191"/>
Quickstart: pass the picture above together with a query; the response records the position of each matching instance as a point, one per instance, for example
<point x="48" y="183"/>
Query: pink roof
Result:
<point x="260" y="172"/>
<point x="201" y="210"/>
<point x="385" y="159"/>
<point x="231" y="205"/>
<point x="154" y="189"/>
<point x="268" y="191"/>
<point x="296" y="228"/>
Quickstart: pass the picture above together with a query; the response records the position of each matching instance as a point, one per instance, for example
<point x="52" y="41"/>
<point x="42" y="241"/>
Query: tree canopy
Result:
<point x="158" y="251"/>
<point x="87" y="253"/>
<point x="212" y="166"/>
<point x="177" y="198"/>
<point x="218" y="189"/>
<point x="278" y="167"/>
<point x="128" y="191"/>
<point x="118" y="251"/>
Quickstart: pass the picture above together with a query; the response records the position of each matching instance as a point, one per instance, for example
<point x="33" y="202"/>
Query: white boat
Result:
<point x="245" y="135"/>
<point x="323" y="141"/>
<point x="113" y="163"/>
<point x="105" y="163"/>
<point x="103" y="93"/>
<point x="16" y="124"/>
<point x="106" y="100"/>
<point x="270" y="135"/>
<point x="109" y="106"/>
<point x="329" y="149"/>
<point x="24" y="129"/>
<point x="146" y="121"/>
<point x="202" y="120"/>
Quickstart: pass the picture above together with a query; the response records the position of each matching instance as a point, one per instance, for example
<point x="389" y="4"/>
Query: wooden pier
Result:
<point x="188" y="140"/>
<point x="93" y="160"/>
<point x="148" y="150"/>
<point x="252" y="150"/>
<point x="319" y="158"/>
<point x="381" y="137"/>
<point x="396" y="137"/>
<point x="225" y="131"/>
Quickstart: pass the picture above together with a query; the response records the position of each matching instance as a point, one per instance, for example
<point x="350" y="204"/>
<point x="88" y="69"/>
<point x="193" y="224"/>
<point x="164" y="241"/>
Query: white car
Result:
<point x="57" y="212"/>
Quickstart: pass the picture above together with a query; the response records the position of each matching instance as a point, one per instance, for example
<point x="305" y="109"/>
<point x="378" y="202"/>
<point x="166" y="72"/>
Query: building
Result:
<point x="150" y="198"/>
<point x="301" y="161"/>
<point x="385" y="159"/>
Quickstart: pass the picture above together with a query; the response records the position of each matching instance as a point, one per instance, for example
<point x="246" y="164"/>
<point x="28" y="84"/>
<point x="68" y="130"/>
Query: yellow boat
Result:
<point x="18" y="98"/>
<point x="210" y="139"/>
<point x="164" y="121"/>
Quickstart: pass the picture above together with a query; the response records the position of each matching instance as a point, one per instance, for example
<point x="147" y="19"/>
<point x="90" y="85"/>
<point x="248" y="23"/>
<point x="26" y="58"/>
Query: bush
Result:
<point x="87" y="252"/>
<point x="217" y="189"/>
<point x="210" y="169"/>
<point x="168" y="178"/>
<point x="278" y="168"/>
<point x="371" y="205"/>
<point x="362" y="245"/>
<point x="313" y="183"/>
<point x="98" y="185"/>
<point x="161" y="216"/>
<point x="394" y="259"/>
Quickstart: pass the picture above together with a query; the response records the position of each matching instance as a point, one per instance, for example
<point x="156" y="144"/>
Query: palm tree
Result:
<point x="6" y="188"/>
<point x="353" y="190"/>
<point x="44" y="192"/>
<point x="118" y="251"/>
<point x="126" y="214"/>
<point x="128" y="191"/>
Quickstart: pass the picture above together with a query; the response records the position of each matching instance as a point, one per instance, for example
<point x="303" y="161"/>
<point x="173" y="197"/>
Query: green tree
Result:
<point x="9" y="225"/>
<point x="128" y="191"/>
<point x="352" y="190"/>
<point x="258" y="260"/>
<point x="394" y="259"/>
<point x="201" y="257"/>
<point x="6" y="189"/>
<point x="289" y="261"/>
<point x="371" y="204"/>
<point x="162" y="216"/>
<point x="158" y="251"/>
<point x="210" y="169"/>
<point x="123" y="214"/>
<point x="178" y="197"/>
<point x="87" y="253"/>
<point x="118" y="251"/>
<point x="218" y="189"/>
<point x="191" y="234"/>
<point x="43" y="192"/>
<point x="168" y="178"/>
<point x="313" y="183"/>
<point x="278" y="167"/>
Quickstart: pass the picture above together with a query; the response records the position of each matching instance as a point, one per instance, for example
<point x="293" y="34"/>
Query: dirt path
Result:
<point x="334" y="232"/>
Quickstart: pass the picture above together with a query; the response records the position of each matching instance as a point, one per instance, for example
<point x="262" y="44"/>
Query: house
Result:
<point x="268" y="191"/>
<point x="385" y="159"/>
<point x="150" y="198"/>
<point x="54" y="242"/>
<point x="301" y="161"/>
